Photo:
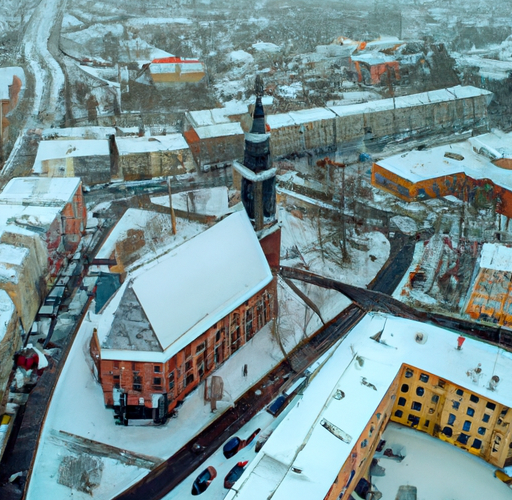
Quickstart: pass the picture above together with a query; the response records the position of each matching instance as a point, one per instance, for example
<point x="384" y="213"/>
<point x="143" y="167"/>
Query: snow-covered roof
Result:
<point x="54" y="149"/>
<point x="40" y="191"/>
<point x="373" y="58"/>
<point x="134" y="218"/>
<point x="216" y="116"/>
<point x="79" y="132"/>
<point x="309" y="115"/>
<point x="208" y="201"/>
<point x="32" y="217"/>
<point x="171" y="142"/>
<point x="418" y="166"/>
<point x="492" y="69"/>
<point x="6" y="78"/>
<point x="497" y="257"/>
<point x="196" y="284"/>
<point x="288" y="464"/>
<point x="12" y="255"/>
<point x="221" y="130"/>
<point x="434" y="96"/>
<point x="299" y="117"/>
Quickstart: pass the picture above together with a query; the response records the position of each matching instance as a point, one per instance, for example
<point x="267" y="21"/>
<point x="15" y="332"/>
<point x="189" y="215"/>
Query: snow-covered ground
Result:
<point x="437" y="469"/>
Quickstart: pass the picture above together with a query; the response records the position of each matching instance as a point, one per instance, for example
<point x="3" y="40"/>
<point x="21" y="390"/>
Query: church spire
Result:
<point x="258" y="184"/>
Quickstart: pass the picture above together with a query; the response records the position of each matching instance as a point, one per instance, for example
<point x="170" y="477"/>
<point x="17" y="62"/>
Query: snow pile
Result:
<point x="405" y="224"/>
<point x="240" y="57"/>
<point x="270" y="48"/>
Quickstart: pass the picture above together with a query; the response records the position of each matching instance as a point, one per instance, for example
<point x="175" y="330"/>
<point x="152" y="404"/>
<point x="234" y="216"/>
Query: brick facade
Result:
<point x="183" y="372"/>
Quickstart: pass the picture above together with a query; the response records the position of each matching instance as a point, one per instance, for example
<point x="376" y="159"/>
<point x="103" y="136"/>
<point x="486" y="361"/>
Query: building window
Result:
<point x="188" y="380"/>
<point x="470" y="412"/>
<point x="188" y="365"/>
<point x="137" y="381"/>
<point x="401" y="401"/>
<point x="413" y="419"/>
<point x="441" y="383"/>
<point x="157" y="381"/>
<point x="157" y="369"/>
<point x="424" y="377"/>
<point x="201" y="347"/>
<point x="467" y="426"/>
<point x="474" y="398"/>
<point x="171" y="381"/>
<point x="459" y="392"/>
<point x="234" y="329"/>
<point x="477" y="444"/>
<point x="116" y="378"/>
<point x="249" y="332"/>
<point x="435" y="398"/>
<point x="420" y="391"/>
<point x="427" y="423"/>
<point x="404" y="388"/>
<point x="486" y="418"/>
<point x="447" y="431"/>
<point x="408" y="373"/>
<point x="463" y="438"/>
<point x="217" y="336"/>
<point x="481" y="431"/>
<point x="455" y="405"/>
<point x="491" y="406"/>
<point x="399" y="413"/>
<point x="451" y="419"/>
<point x="364" y="443"/>
<point x="416" y="406"/>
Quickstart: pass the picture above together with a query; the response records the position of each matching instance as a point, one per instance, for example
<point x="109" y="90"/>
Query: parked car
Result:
<point x="235" y="444"/>
<point x="203" y="480"/>
<point x="234" y="474"/>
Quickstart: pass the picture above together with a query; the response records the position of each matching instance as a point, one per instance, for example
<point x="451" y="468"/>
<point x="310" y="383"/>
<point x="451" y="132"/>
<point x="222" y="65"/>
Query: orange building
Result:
<point x="490" y="298"/>
<point x="374" y="66"/>
<point x="172" y="324"/>
<point x="476" y="170"/>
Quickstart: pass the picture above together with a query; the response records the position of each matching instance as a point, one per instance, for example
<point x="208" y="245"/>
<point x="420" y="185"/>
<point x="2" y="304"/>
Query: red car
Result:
<point x="234" y="474"/>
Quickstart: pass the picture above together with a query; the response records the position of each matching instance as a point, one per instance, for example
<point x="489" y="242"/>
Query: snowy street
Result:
<point x="49" y="78"/>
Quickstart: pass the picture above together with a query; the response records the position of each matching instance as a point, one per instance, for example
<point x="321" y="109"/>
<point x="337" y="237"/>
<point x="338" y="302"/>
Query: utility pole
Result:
<point x="173" y="217"/>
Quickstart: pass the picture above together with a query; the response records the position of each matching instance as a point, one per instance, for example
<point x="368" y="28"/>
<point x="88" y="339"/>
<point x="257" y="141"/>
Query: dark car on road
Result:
<point x="203" y="480"/>
<point x="235" y="444"/>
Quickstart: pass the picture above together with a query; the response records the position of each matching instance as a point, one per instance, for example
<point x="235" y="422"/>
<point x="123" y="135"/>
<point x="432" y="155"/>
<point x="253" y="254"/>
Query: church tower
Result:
<point x="258" y="186"/>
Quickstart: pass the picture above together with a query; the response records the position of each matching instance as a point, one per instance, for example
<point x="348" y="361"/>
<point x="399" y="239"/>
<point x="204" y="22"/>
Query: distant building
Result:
<point x="490" y="297"/>
<point x="138" y="158"/>
<point x="174" y="321"/>
<point x="215" y="146"/>
<point x="395" y="370"/>
<point x="369" y="126"/>
<point x="370" y="68"/>
<point x="475" y="170"/>
<point x="176" y="69"/>
<point x="88" y="159"/>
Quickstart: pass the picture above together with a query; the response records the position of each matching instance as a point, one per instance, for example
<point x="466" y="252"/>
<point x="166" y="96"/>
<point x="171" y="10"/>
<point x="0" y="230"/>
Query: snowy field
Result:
<point x="439" y="470"/>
